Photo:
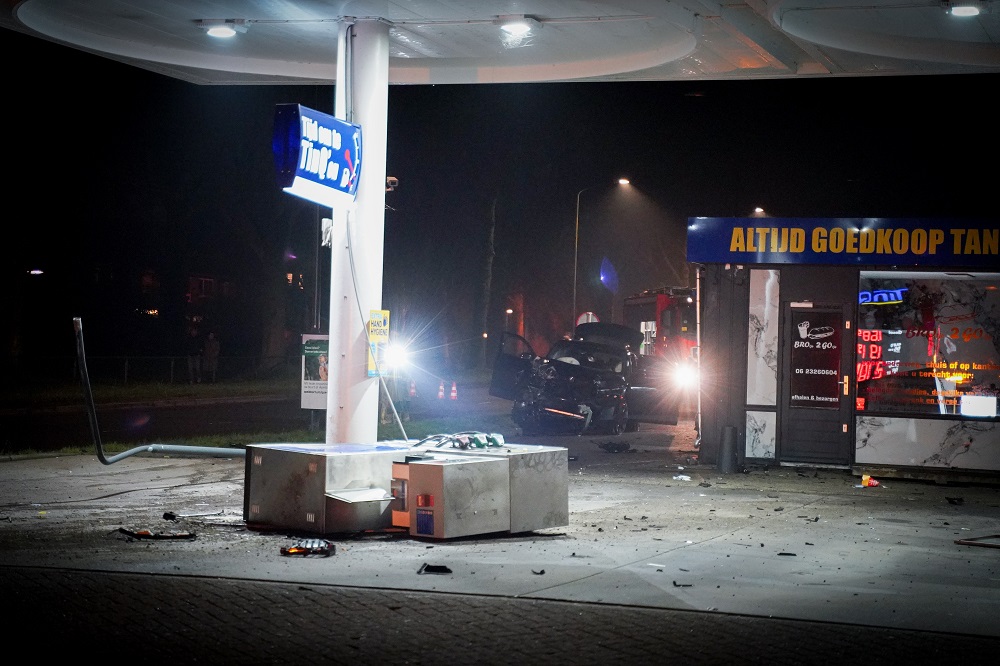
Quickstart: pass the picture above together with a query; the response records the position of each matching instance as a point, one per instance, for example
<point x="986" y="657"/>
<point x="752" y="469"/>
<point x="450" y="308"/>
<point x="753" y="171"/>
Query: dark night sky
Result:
<point x="115" y="168"/>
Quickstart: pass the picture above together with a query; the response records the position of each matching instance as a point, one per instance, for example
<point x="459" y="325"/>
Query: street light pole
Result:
<point x="576" y="245"/>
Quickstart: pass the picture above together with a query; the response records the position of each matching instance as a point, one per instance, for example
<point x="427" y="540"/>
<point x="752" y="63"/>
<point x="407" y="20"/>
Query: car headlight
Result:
<point x="686" y="376"/>
<point x="396" y="357"/>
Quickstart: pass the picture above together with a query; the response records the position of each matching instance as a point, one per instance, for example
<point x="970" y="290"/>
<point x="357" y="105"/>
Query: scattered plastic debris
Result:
<point x="433" y="569"/>
<point x="170" y="515"/>
<point x="788" y="554"/>
<point x="307" y="547"/>
<point x="676" y="584"/>
<point x="148" y="534"/>
<point x="681" y="477"/>
<point x="538" y="573"/>
<point x="868" y="482"/>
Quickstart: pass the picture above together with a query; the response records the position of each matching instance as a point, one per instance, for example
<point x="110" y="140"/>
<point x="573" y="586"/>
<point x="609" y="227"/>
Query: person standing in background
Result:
<point x="210" y="357"/>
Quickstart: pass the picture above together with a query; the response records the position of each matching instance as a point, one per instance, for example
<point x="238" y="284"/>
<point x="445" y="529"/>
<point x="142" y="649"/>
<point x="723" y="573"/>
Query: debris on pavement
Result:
<point x="615" y="447"/>
<point x="148" y="534"/>
<point x="433" y="569"/>
<point x="868" y="482"/>
<point x="676" y="584"/>
<point x="989" y="541"/>
<point x="170" y="515"/>
<point x="308" y="547"/>
<point x="955" y="500"/>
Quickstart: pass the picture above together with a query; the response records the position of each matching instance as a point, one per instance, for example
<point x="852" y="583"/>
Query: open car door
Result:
<point x="653" y="396"/>
<point x="512" y="363"/>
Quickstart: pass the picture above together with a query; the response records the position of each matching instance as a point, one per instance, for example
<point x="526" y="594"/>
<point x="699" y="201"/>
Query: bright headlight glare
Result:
<point x="686" y="376"/>
<point x="396" y="356"/>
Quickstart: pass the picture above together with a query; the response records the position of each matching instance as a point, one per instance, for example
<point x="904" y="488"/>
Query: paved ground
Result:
<point x="662" y="560"/>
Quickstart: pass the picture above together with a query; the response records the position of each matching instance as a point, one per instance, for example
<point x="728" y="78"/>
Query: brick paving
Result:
<point x="53" y="613"/>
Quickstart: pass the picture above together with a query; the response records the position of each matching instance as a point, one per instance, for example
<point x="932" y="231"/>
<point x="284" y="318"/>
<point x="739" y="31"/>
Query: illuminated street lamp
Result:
<point x="506" y="318"/>
<point x="576" y="243"/>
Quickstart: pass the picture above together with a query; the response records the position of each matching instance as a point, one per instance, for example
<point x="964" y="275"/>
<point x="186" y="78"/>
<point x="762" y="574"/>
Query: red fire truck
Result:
<point x="667" y="317"/>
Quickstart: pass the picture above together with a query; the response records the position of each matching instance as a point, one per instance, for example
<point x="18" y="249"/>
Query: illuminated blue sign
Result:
<point x="882" y="296"/>
<point x="317" y="156"/>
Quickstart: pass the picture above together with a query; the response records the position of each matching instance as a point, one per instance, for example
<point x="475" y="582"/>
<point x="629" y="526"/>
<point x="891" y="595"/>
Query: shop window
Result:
<point x="927" y="343"/>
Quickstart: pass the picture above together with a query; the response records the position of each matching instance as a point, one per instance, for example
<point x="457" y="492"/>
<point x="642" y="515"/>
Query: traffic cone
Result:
<point x="413" y="389"/>
<point x="454" y="391"/>
<point x="441" y="391"/>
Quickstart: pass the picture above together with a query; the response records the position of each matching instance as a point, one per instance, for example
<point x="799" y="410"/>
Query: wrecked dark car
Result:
<point x="593" y="383"/>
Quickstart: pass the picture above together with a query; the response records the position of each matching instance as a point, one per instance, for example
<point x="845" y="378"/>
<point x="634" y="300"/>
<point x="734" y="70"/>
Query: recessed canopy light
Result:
<point x="965" y="10"/>
<point x="222" y="31"/>
<point x="222" y="28"/>
<point x="517" y="24"/>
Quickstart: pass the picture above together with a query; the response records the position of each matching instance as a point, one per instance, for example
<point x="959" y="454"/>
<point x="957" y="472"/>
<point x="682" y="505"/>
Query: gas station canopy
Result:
<point x="449" y="42"/>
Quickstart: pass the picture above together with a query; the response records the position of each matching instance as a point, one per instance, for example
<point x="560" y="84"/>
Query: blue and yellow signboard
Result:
<point x="900" y="242"/>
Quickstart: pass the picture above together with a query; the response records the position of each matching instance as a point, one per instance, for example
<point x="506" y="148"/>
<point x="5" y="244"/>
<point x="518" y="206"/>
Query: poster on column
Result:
<point x="815" y="359"/>
<point x="378" y="338"/>
<point x="315" y="370"/>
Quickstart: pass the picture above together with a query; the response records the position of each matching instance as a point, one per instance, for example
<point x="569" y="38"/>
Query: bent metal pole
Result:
<point x="88" y="397"/>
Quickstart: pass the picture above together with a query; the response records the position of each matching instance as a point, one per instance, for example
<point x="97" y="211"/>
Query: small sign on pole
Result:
<point x="378" y="338"/>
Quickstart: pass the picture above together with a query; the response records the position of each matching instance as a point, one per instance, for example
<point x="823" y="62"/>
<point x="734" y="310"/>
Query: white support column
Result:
<point x="362" y="93"/>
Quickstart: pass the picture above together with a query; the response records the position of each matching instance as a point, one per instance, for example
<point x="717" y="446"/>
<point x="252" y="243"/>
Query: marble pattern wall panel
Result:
<point x="762" y="337"/>
<point x="761" y="434"/>
<point x="937" y="443"/>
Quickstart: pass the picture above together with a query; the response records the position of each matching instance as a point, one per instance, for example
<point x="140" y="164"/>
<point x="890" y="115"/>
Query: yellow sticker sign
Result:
<point x="378" y="338"/>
